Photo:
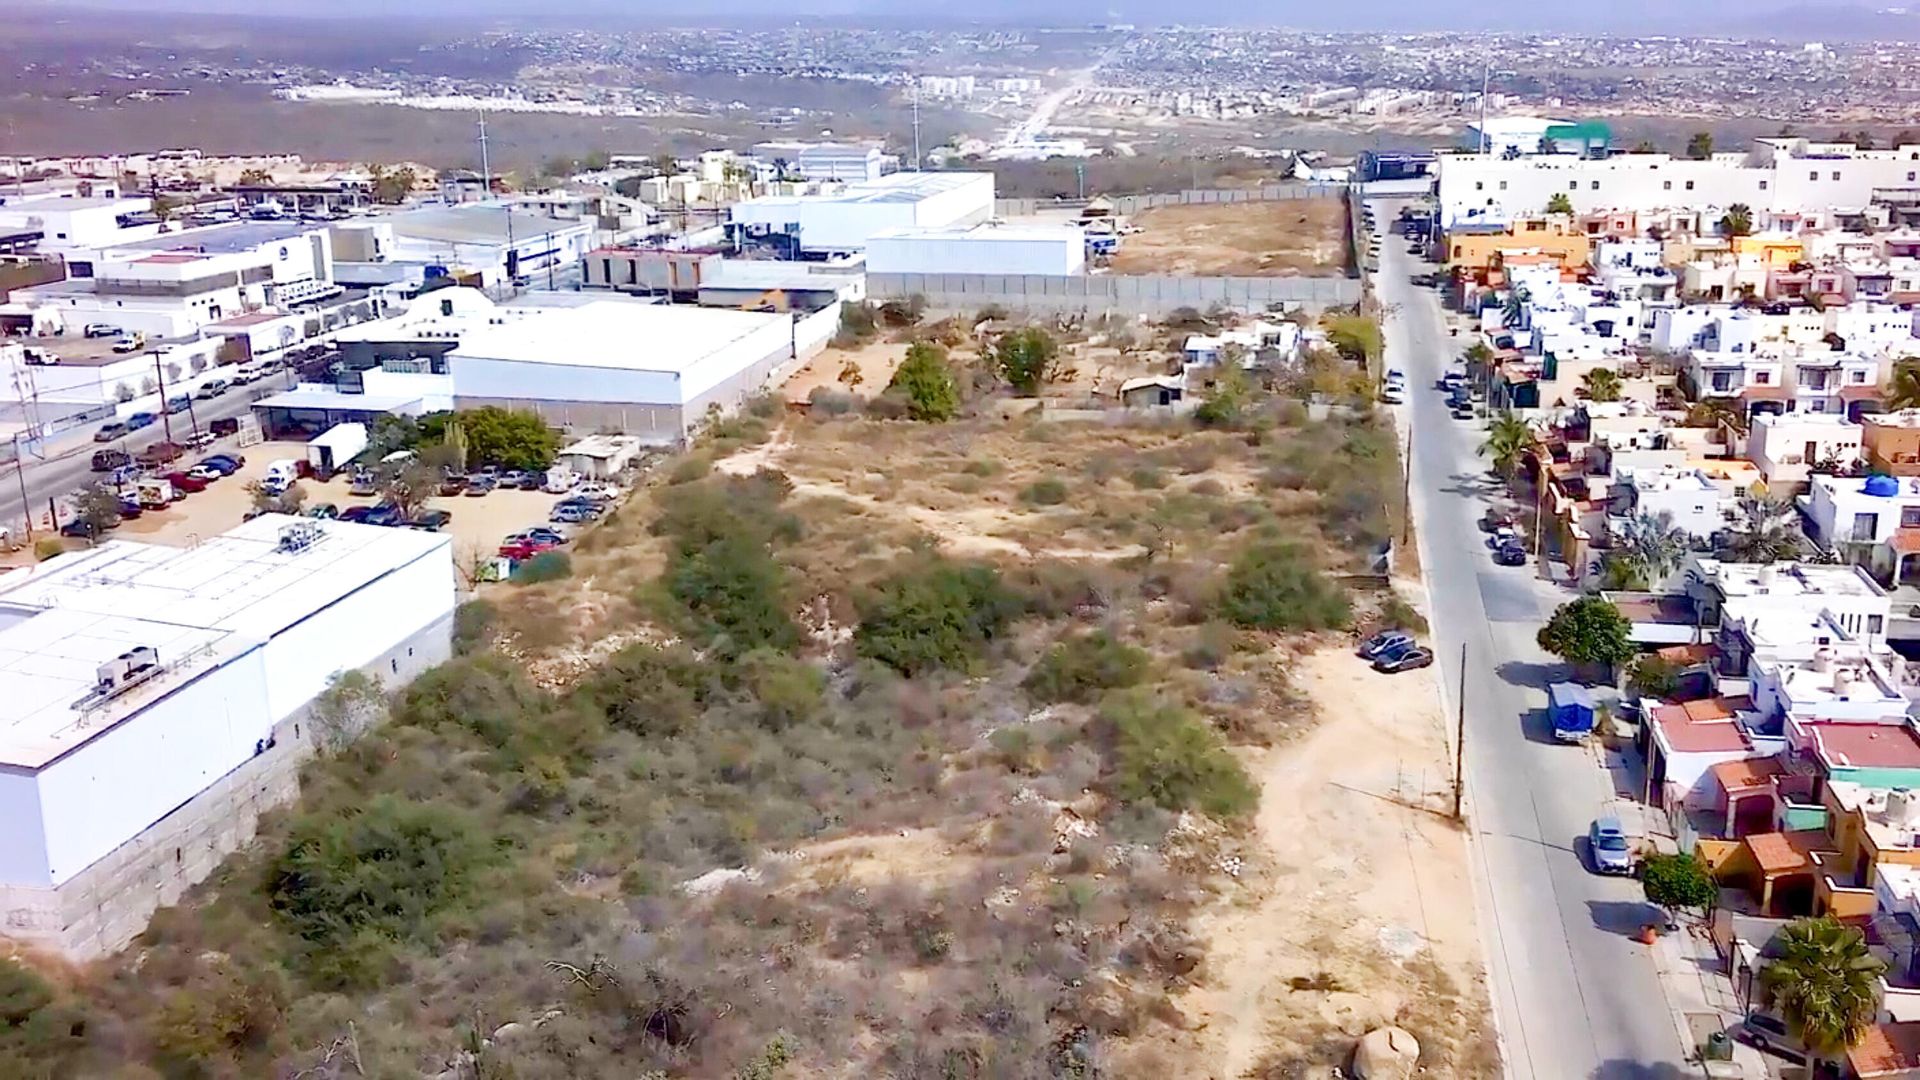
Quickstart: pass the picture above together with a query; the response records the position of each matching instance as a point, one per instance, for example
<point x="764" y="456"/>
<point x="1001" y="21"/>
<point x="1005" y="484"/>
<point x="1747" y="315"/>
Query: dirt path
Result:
<point x="1351" y="889"/>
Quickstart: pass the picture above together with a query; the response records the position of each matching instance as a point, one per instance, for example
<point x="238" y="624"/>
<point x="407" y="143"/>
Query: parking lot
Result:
<point x="478" y="522"/>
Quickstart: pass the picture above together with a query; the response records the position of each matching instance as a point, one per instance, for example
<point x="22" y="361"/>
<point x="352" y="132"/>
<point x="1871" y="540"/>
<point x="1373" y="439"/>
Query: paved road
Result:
<point x="1575" y="995"/>
<point x="65" y="468"/>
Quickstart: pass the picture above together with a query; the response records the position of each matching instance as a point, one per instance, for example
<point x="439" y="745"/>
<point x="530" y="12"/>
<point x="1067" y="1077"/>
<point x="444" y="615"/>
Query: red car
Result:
<point x="181" y="481"/>
<point x="523" y="547"/>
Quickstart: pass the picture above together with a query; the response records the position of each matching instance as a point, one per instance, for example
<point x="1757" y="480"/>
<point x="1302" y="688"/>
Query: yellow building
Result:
<point x="1773" y="250"/>
<point x="1475" y="249"/>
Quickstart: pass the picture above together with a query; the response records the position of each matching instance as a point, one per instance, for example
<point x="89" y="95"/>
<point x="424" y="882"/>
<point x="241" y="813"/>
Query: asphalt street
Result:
<point x="65" y="467"/>
<point x="1575" y="995"/>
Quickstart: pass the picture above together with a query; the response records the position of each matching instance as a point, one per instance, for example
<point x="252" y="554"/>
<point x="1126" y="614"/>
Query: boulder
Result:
<point x="1387" y="1053"/>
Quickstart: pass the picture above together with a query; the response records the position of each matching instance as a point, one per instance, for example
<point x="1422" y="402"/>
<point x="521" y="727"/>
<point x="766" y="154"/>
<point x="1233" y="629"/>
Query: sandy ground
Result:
<point x="1253" y="239"/>
<point x="478" y="523"/>
<point x="1356" y="880"/>
<point x="876" y="361"/>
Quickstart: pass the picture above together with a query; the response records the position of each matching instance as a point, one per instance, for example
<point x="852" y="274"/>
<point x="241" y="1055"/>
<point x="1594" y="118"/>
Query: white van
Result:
<point x="280" y="475"/>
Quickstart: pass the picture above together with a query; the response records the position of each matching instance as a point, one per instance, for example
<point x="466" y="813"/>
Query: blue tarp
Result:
<point x="1570" y="706"/>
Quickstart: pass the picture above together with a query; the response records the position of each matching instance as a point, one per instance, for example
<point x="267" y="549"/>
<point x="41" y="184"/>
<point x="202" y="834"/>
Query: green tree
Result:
<point x="1903" y="389"/>
<point x="1080" y="667"/>
<point x="228" y="1011"/>
<point x="1479" y="360"/>
<point x="1678" y="882"/>
<point x="1654" y="677"/>
<point x="925" y="379"/>
<point x="1653" y="546"/>
<point x="392" y="186"/>
<point x="1764" y="531"/>
<point x="734" y="592"/>
<point x="1227" y="401"/>
<point x="1513" y="309"/>
<point x="1167" y="756"/>
<point x="1025" y="359"/>
<point x="1826" y="985"/>
<point x="99" y="506"/>
<point x="1507" y="442"/>
<point x="1602" y="384"/>
<point x="40" y="1031"/>
<point x="1737" y="221"/>
<point x="1356" y="338"/>
<point x="287" y="501"/>
<point x="1589" y="630"/>
<point x="509" y="438"/>
<point x="1559" y="203"/>
<point x="253" y="177"/>
<point x="1273" y="586"/>
<point x="1700" y="145"/>
<point x="936" y="615"/>
<point x="408" y="485"/>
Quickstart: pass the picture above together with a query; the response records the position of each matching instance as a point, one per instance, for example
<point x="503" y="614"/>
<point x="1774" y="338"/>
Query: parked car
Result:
<point x="573" y="513"/>
<point x="453" y="484"/>
<point x="224" y="464"/>
<point x="100" y="330"/>
<point x="110" y="432"/>
<point x="1495" y="519"/>
<point x="1403" y="660"/>
<point x="525" y="548"/>
<point x="1770" y="1033"/>
<point x="178" y="404"/>
<point x="185" y="481"/>
<point x="160" y="453"/>
<point x="1510" y="553"/>
<point x="109" y="460"/>
<point x="1384" y="641"/>
<point x="129" y="343"/>
<point x="545" y="534"/>
<point x="142" y="419"/>
<point x="199" y="440"/>
<point x="81" y="529"/>
<point x="364" y="482"/>
<point x="211" y="389"/>
<point x="518" y="479"/>
<point x="385" y="514"/>
<point x="130" y="508"/>
<point x="430" y="520"/>
<point x="225" y="426"/>
<point x="1608" y="846"/>
<point x="480" y="485"/>
<point x="356" y="513"/>
<point x="324" y="511"/>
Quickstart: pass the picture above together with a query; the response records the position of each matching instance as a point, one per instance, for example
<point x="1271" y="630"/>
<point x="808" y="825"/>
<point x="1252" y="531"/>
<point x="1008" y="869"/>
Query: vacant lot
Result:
<point x="1250" y="239"/>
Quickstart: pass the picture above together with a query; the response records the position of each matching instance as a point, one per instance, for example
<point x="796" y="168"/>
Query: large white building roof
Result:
<point x="617" y="334"/>
<point x="195" y="605"/>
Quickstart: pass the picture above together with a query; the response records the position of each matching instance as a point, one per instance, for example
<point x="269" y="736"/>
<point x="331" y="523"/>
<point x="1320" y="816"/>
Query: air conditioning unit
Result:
<point x="123" y="672"/>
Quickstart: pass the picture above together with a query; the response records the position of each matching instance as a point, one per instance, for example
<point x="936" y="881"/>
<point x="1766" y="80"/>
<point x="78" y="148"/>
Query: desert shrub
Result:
<point x="1044" y="492"/>
<point x="646" y="689"/>
<point x="349" y="880"/>
<point x="1167" y="756"/>
<point x="1213" y="644"/>
<point x="734" y="595"/>
<point x="224" y="1013"/>
<point x="766" y="406"/>
<point x="473" y="626"/>
<point x="1273" y="586"/>
<point x="1147" y="477"/>
<point x="486" y="695"/>
<point x="1082" y="666"/>
<point x="1395" y="611"/>
<point x="695" y="515"/>
<point x="690" y="468"/>
<point x="858" y="323"/>
<point x="980" y="467"/>
<point x="546" y="566"/>
<point x="935" y="615"/>
<point x="828" y="402"/>
<point x="926" y="382"/>
<point x="39" y="1031"/>
<point x="48" y="547"/>
<point x="788" y="690"/>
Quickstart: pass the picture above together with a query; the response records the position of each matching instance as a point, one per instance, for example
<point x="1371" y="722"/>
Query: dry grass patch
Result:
<point x="1251" y="239"/>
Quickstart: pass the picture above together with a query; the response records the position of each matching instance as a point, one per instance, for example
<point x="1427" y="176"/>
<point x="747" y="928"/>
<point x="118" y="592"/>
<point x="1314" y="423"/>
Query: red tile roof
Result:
<point x="1905" y="541"/>
<point x="1785" y="852"/>
<point x="1688" y="733"/>
<point x="1765" y="393"/>
<point x="1687" y="655"/>
<point x="1747" y="774"/>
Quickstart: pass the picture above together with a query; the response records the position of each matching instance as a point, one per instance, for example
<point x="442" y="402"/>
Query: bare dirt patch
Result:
<point x="874" y="361"/>
<point x="1250" y="239"/>
<point x="1357" y="908"/>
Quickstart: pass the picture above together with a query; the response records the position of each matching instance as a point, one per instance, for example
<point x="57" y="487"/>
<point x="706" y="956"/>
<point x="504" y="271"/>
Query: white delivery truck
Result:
<point x="332" y="449"/>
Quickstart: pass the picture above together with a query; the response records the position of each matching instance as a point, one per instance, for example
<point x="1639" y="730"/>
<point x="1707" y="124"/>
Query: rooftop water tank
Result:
<point x="1882" y="485"/>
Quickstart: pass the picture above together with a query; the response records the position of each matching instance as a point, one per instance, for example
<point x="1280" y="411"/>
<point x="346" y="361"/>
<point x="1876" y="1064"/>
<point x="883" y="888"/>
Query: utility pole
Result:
<point x="20" y="474"/>
<point x="160" y="377"/>
<point x="1406" y="487"/>
<point x="1540" y="517"/>
<point x="1486" y="81"/>
<point x="486" y="168"/>
<point x="916" y="123"/>
<point x="1460" y="737"/>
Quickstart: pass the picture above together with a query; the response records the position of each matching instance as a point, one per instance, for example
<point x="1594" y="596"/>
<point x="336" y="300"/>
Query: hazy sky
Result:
<point x="1801" y="18"/>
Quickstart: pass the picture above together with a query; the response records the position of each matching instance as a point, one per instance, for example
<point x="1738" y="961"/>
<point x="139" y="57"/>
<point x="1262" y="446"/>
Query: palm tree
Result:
<point x="1765" y="531"/>
<point x="1825" y="984"/>
<point x="1514" y="312"/>
<point x="1737" y="221"/>
<point x="1903" y="390"/>
<point x="1603" y="384"/>
<point x="1508" y="440"/>
<point x="1558" y="203"/>
<point x="1653" y="546"/>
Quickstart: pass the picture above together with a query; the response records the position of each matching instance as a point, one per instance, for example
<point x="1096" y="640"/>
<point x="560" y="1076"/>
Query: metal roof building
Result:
<point x="844" y="221"/>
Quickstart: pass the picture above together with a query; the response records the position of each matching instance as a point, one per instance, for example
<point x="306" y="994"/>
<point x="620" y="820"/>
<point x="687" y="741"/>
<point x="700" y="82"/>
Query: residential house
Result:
<point x="1786" y="447"/>
<point x="1872" y="521"/>
<point x="1890" y="442"/>
<point x="1477" y="248"/>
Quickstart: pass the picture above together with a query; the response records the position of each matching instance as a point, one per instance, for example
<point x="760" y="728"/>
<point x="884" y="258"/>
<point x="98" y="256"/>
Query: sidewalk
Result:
<point x="1702" y="998"/>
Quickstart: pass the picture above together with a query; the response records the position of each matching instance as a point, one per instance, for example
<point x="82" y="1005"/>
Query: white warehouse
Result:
<point x="844" y="221"/>
<point x="155" y="703"/>
<point x="982" y="249"/>
<point x="642" y="369"/>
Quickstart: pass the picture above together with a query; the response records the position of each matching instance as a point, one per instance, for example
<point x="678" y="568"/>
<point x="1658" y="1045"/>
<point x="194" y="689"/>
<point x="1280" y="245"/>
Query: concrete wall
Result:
<point x="1127" y="205"/>
<point x="107" y="905"/>
<point x="1126" y="294"/>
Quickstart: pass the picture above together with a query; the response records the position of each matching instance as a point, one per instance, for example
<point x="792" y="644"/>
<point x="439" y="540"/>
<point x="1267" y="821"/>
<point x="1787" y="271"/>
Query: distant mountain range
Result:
<point x="1807" y="20"/>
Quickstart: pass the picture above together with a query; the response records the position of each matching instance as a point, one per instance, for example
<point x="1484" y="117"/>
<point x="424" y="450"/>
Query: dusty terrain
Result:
<point x="875" y="361"/>
<point x="1356" y="908"/>
<point x="1250" y="239"/>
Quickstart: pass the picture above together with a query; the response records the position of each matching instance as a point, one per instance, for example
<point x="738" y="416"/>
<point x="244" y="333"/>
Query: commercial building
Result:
<point x="500" y="243"/>
<point x="849" y="162"/>
<point x="649" y="370"/>
<point x="154" y="701"/>
<point x="980" y="249"/>
<point x="64" y="222"/>
<point x="846" y="220"/>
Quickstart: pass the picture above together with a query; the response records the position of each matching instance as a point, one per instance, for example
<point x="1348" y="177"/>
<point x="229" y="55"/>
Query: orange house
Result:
<point x="1891" y="441"/>
<point x="1554" y="235"/>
